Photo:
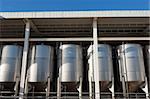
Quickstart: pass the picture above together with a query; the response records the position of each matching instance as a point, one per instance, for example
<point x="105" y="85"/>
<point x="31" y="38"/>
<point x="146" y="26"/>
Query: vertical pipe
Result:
<point x="95" y="54"/>
<point x="24" y="60"/>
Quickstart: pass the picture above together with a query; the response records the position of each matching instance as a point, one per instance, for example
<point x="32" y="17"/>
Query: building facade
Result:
<point x="75" y="54"/>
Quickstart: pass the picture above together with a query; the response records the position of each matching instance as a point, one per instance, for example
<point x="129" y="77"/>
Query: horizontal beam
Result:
<point x="77" y="39"/>
<point x="62" y="39"/>
<point x="76" y="14"/>
<point x="124" y="39"/>
<point x="11" y="39"/>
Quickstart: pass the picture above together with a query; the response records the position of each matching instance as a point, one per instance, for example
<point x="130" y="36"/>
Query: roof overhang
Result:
<point x="76" y="14"/>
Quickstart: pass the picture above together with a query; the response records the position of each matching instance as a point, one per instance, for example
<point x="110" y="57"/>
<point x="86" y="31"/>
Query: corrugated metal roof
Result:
<point x="75" y="14"/>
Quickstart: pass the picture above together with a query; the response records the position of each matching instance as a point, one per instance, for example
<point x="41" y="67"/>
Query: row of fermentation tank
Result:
<point x="70" y="64"/>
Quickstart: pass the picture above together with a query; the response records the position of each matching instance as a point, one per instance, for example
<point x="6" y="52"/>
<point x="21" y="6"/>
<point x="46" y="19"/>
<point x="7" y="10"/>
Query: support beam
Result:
<point x="24" y="60"/>
<point x="62" y="39"/>
<point x="33" y="26"/>
<point x="84" y="39"/>
<point x="95" y="54"/>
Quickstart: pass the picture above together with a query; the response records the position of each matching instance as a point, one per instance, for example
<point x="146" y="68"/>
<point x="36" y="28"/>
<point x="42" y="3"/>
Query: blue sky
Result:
<point x="73" y="5"/>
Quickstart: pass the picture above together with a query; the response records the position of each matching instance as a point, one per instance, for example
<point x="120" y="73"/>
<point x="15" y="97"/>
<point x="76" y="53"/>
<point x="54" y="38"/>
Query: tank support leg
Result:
<point x="26" y="86"/>
<point x="112" y="89"/>
<point x="80" y="88"/>
<point x="48" y="87"/>
<point x="33" y="89"/>
<point x="16" y="86"/>
<point x="58" y="88"/>
<point x="123" y="87"/>
<point x="145" y="88"/>
<point x="90" y="88"/>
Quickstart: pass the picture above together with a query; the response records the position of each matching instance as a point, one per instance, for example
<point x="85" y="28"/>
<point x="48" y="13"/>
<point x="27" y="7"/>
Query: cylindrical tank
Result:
<point x="131" y="65"/>
<point x="70" y="62"/>
<point x="41" y="63"/>
<point x="10" y="63"/>
<point x="147" y="50"/>
<point x="104" y="64"/>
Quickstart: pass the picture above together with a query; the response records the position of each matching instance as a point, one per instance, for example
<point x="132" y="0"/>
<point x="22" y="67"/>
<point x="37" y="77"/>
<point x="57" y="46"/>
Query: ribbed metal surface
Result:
<point x="104" y="61"/>
<point x="131" y="62"/>
<point x="70" y="62"/>
<point x="41" y="65"/>
<point x="10" y="63"/>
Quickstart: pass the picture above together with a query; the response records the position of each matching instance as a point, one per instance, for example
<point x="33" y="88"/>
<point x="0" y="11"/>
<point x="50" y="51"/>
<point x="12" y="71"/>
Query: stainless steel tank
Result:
<point x="10" y="63"/>
<point x="104" y="63"/>
<point x="70" y="62"/>
<point x="41" y="63"/>
<point x="131" y="65"/>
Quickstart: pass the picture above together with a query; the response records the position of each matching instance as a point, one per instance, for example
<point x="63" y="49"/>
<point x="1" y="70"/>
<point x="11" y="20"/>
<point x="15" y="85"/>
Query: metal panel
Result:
<point x="70" y="62"/>
<point x="41" y="65"/>
<point x="131" y="62"/>
<point x="10" y="63"/>
<point x="104" y="62"/>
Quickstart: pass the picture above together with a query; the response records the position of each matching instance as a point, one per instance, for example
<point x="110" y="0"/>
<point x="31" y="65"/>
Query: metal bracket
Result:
<point x="145" y="88"/>
<point x="112" y="89"/>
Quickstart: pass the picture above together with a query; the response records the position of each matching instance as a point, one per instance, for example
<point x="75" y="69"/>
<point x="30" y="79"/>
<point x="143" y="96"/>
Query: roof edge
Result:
<point x="75" y="14"/>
